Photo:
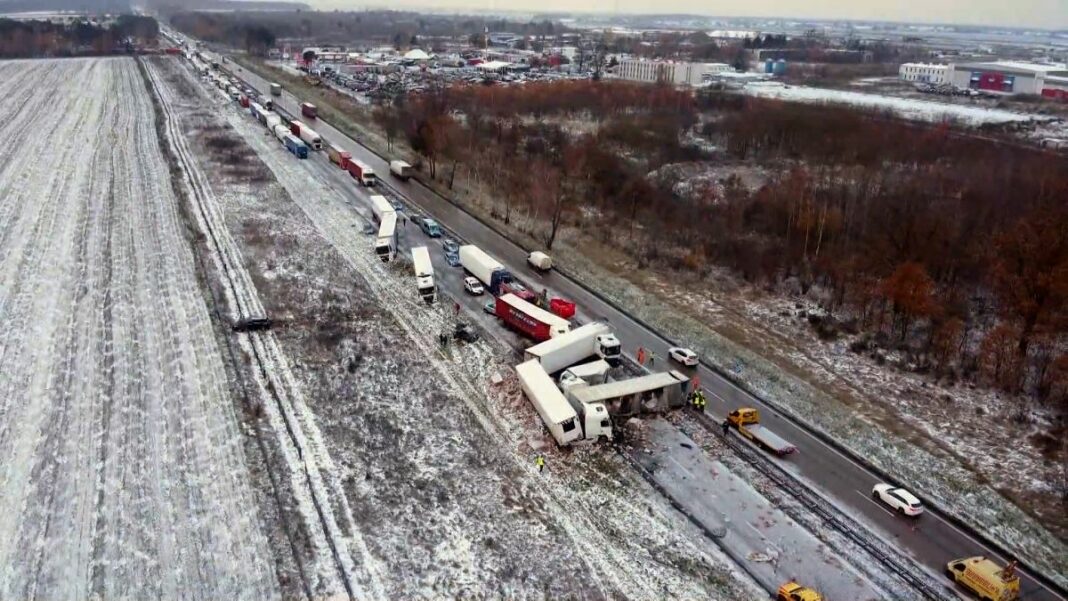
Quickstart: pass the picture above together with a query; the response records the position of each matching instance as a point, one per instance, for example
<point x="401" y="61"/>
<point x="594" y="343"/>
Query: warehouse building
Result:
<point x="678" y="73"/>
<point x="924" y="73"/>
<point x="1009" y="78"/>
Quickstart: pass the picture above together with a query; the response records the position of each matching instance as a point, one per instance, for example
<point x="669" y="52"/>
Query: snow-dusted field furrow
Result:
<point x="318" y="494"/>
<point x="123" y="473"/>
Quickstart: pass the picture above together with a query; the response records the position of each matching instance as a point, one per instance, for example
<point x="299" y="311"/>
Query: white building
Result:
<point x="1009" y="77"/>
<point x="678" y="73"/>
<point x="924" y="73"/>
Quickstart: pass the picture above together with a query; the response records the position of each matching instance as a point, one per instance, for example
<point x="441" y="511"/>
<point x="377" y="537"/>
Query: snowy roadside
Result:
<point x="437" y="471"/>
<point x="938" y="474"/>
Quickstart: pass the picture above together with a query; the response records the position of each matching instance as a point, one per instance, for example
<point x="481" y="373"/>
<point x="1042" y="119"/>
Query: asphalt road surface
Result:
<point x="931" y="540"/>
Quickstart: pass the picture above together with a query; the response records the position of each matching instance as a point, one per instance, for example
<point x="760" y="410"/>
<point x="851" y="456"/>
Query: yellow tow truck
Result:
<point x="792" y="591"/>
<point x="985" y="578"/>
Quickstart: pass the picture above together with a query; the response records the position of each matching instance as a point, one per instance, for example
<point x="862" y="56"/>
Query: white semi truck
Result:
<point x="312" y="139"/>
<point x="386" y="242"/>
<point x="380" y="207"/>
<point x="564" y="422"/>
<point x="592" y="373"/>
<point x="563" y="351"/>
<point x="424" y="273"/>
<point x="484" y="267"/>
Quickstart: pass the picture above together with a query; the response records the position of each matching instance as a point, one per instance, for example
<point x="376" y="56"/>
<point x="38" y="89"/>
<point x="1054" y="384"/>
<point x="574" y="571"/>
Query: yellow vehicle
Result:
<point x="985" y="578"/>
<point x="747" y="421"/>
<point x="792" y="591"/>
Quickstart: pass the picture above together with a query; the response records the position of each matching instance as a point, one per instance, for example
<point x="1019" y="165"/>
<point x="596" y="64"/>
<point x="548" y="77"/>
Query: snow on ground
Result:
<point x="910" y="108"/>
<point x="947" y="475"/>
<point x="435" y="461"/>
<point x="123" y="476"/>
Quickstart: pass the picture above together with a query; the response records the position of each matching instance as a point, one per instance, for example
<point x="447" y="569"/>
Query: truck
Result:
<point x="268" y="104"/>
<point x="400" y="169"/>
<point x="386" y="242"/>
<point x="540" y="260"/>
<point x="985" y="578"/>
<point x="297" y="147"/>
<point x="309" y="110"/>
<point x="555" y="411"/>
<point x="338" y="157"/>
<point x="295" y="127"/>
<point x="256" y="110"/>
<point x="312" y="139"/>
<point x="593" y="373"/>
<point x="653" y="393"/>
<point x="280" y="132"/>
<point x="484" y="267"/>
<point x="362" y="173"/>
<point x="276" y="89"/>
<point x="424" y="273"/>
<point x="272" y="120"/>
<point x="746" y="421"/>
<point x="592" y="339"/>
<point x="792" y="591"/>
<point x="380" y="207"/>
<point x="536" y="323"/>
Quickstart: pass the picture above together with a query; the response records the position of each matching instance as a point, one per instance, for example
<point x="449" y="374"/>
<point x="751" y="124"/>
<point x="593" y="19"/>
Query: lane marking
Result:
<point x="869" y="499"/>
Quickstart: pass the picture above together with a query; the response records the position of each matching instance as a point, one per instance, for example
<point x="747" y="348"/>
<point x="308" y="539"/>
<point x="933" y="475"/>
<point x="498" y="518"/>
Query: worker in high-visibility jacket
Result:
<point x="540" y="462"/>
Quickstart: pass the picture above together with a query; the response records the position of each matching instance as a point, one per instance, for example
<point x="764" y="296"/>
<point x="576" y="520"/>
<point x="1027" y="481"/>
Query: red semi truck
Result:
<point x="536" y="323"/>
<point x="294" y="127"/>
<point x="309" y="110"/>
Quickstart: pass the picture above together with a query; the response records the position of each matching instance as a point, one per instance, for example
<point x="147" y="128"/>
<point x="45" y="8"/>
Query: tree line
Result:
<point x="35" y="39"/>
<point x="950" y="249"/>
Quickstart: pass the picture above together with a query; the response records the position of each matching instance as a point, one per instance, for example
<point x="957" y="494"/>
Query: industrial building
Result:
<point x="1009" y="78"/>
<point x="678" y="73"/>
<point x="924" y="73"/>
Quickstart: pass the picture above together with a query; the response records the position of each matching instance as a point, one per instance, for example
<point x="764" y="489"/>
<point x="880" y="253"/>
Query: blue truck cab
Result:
<point x="296" y="146"/>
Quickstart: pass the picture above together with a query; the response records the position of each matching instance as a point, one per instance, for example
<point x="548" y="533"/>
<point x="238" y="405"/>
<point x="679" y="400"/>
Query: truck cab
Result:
<point x="792" y="591"/>
<point x="985" y="578"/>
<point x="743" y="417"/>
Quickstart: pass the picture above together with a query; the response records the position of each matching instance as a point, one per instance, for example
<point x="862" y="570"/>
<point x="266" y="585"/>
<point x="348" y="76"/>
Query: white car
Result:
<point x="901" y="500"/>
<point x="683" y="355"/>
<point x="473" y="286"/>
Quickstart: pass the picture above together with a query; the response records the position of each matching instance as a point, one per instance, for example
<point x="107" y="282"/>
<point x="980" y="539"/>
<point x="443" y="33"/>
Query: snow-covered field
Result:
<point x="122" y="473"/>
<point x="435" y="461"/>
<point x="910" y="108"/>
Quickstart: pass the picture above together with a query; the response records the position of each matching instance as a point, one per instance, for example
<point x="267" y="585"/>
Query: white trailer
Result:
<point x="646" y="394"/>
<point x="380" y="207"/>
<point x="400" y="169"/>
<point x="280" y="132"/>
<point x="386" y="243"/>
<point x="556" y="412"/>
<point x="568" y="349"/>
<point x="424" y="273"/>
<point x="484" y="267"/>
<point x="257" y="111"/>
<point x="272" y="120"/>
<point x="312" y="139"/>
<point x="540" y="260"/>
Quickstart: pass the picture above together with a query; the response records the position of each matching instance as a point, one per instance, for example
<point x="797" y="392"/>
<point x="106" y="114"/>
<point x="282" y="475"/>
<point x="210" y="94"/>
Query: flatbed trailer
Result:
<point x="747" y="422"/>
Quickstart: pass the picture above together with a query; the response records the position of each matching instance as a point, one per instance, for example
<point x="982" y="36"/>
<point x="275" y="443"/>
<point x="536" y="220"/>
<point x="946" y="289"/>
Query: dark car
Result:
<point x="465" y="333"/>
<point x="450" y="246"/>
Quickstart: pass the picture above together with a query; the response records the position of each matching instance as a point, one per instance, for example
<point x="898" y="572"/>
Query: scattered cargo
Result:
<point x="540" y="260"/>
<point x="563" y="308"/>
<point x="400" y="169"/>
<point x="485" y="268"/>
<point x="309" y="110"/>
<point x="296" y="146"/>
<point x="985" y="578"/>
<point x="563" y="351"/>
<point x="276" y="89"/>
<point x="338" y="157"/>
<point x="556" y="412"/>
<point x="747" y="421"/>
<point x="424" y="273"/>
<point x="362" y="173"/>
<point x="536" y="323"/>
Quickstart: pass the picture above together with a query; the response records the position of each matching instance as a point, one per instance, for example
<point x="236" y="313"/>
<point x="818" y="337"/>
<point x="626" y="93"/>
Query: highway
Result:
<point x="931" y="540"/>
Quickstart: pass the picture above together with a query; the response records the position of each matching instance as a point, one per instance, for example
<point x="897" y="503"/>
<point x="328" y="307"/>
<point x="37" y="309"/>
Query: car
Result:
<point x="453" y="259"/>
<point x="450" y="246"/>
<point x="683" y="355"/>
<point x="465" y="333"/>
<point x="490" y="307"/>
<point x="473" y="286"/>
<point x="901" y="500"/>
<point x="397" y="206"/>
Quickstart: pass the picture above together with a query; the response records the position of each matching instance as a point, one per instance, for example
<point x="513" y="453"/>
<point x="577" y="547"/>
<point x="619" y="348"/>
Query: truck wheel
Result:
<point x="875" y="495"/>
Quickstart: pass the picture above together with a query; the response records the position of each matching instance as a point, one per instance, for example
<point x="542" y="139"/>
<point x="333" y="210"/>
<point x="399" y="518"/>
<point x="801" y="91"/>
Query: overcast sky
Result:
<point x="1047" y="14"/>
